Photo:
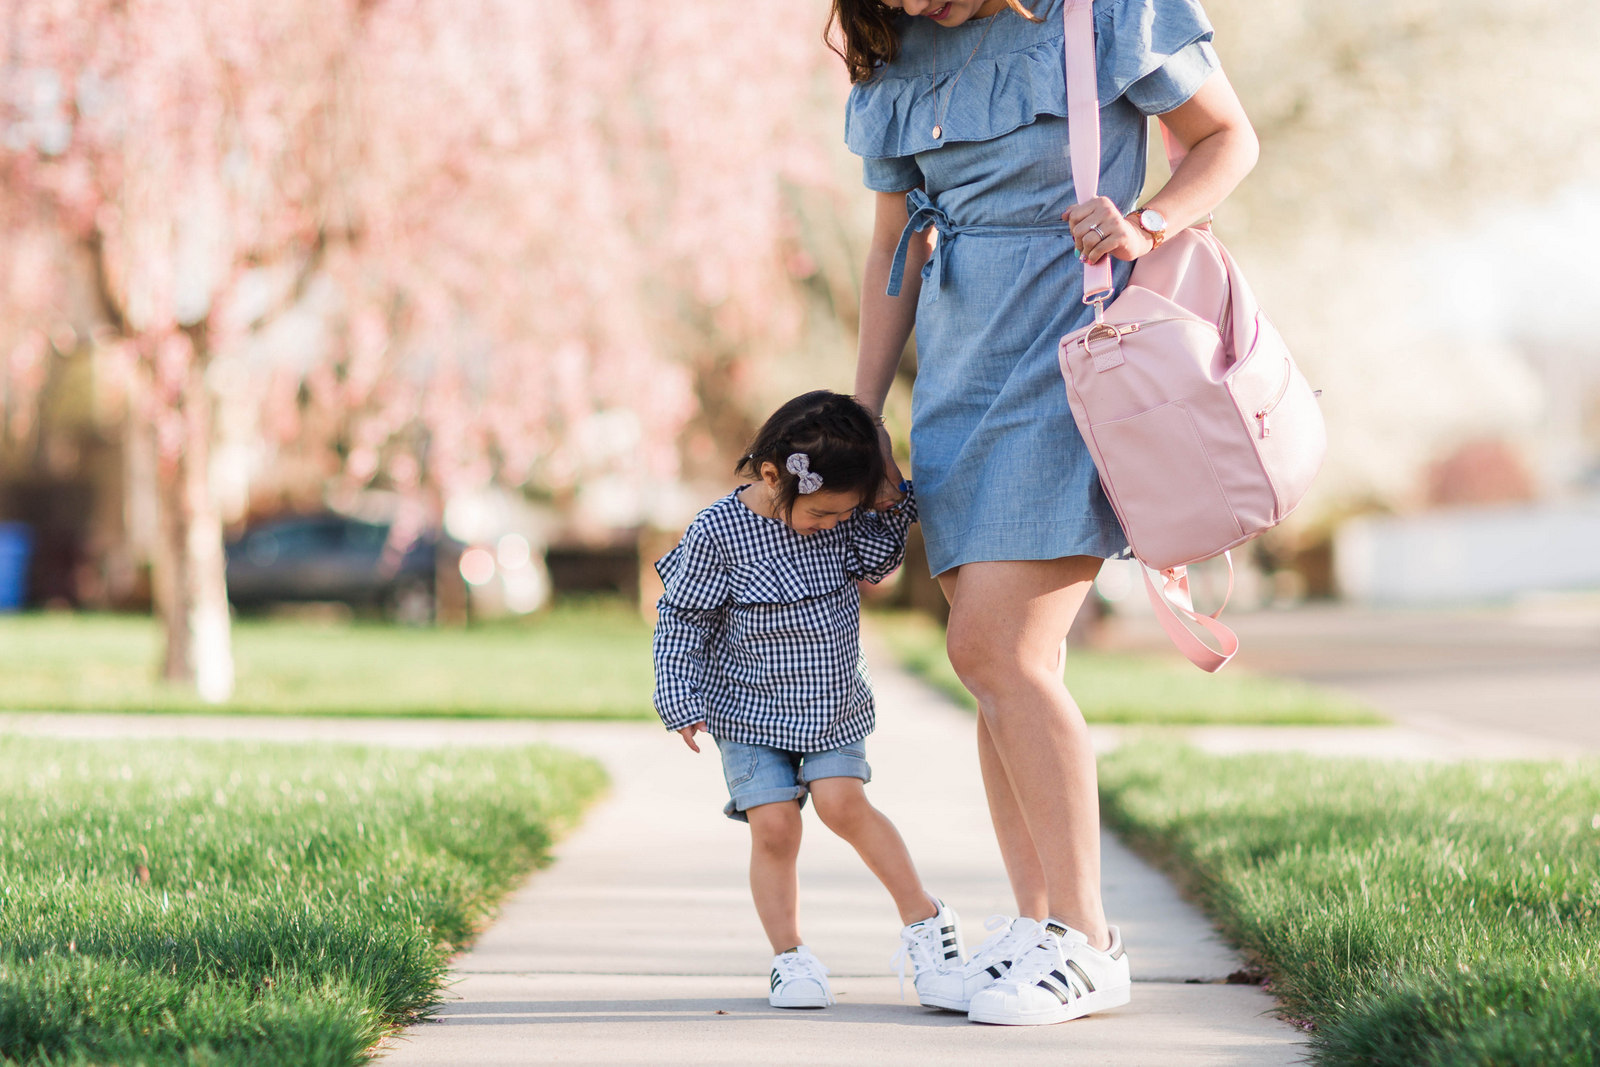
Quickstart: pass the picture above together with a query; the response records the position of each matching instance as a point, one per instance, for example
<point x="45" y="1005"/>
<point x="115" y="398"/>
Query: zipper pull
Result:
<point x="1266" y="431"/>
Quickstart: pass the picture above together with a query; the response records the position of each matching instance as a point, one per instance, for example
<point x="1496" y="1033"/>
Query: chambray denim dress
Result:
<point x="1001" y="471"/>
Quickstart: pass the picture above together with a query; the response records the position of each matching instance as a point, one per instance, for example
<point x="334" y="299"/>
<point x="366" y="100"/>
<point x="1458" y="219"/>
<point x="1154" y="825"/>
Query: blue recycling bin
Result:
<point x="16" y="549"/>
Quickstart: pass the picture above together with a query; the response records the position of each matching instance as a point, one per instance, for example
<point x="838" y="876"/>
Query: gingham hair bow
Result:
<point x="799" y="464"/>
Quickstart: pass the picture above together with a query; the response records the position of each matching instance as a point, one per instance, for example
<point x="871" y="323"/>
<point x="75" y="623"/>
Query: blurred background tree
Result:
<point x="258" y="257"/>
<point x="1420" y="223"/>
<point x="405" y="245"/>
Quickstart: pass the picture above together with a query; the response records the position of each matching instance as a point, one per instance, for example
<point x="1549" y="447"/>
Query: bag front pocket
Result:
<point x="1164" y="488"/>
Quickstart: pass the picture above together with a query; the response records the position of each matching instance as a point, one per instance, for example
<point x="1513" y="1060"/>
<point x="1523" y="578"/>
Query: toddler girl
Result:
<point x="758" y="645"/>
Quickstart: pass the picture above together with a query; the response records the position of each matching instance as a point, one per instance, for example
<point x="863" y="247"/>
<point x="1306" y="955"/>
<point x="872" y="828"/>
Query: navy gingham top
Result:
<point x="759" y="630"/>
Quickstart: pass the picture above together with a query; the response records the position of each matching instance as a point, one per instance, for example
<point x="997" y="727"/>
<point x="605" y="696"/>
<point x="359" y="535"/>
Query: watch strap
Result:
<point x="1156" y="236"/>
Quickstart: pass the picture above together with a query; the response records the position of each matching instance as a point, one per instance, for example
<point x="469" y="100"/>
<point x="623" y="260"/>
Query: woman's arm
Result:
<point x="1221" y="149"/>
<point x="886" y="321"/>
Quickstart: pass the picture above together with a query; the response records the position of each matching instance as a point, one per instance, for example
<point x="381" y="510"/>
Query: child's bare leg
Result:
<point x="843" y="807"/>
<point x="774" y="847"/>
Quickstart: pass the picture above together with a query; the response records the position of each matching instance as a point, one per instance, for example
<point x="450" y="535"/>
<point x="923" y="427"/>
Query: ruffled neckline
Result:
<point x="1013" y="77"/>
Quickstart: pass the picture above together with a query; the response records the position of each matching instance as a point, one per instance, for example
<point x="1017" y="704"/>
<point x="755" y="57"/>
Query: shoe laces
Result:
<point x="1039" y="954"/>
<point x="998" y="945"/>
<point x="920" y="948"/>
<point x="801" y="964"/>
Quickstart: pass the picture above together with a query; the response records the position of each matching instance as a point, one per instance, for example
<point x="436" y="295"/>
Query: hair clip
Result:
<point x="799" y="464"/>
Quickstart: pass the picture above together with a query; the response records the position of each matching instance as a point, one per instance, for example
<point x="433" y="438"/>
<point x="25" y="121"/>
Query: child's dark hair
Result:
<point x="839" y="438"/>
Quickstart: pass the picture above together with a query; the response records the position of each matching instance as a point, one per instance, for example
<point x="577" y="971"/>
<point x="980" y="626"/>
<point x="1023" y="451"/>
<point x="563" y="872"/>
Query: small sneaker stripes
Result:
<point x="934" y="949"/>
<point x="799" y="980"/>
<point x="1057" y="978"/>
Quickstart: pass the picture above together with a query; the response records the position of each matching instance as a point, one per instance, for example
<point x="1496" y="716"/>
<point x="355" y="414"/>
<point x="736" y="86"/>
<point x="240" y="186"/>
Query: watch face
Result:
<point x="1152" y="220"/>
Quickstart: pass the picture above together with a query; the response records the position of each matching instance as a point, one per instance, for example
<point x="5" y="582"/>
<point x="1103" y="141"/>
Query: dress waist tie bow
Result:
<point x="925" y="212"/>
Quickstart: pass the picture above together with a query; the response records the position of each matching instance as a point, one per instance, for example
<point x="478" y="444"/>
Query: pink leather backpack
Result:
<point x="1204" y="431"/>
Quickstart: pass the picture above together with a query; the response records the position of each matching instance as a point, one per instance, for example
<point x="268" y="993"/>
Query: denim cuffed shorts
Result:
<point x="760" y="774"/>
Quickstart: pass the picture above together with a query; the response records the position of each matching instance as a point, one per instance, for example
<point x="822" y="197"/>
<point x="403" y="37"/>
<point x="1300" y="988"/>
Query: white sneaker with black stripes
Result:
<point x="934" y="949"/>
<point x="799" y="980"/>
<point x="1058" y="977"/>
<point x="992" y="962"/>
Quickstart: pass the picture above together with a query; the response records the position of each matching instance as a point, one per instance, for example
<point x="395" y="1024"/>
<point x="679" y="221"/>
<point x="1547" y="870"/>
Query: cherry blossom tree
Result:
<point x="178" y="145"/>
<point x="413" y="244"/>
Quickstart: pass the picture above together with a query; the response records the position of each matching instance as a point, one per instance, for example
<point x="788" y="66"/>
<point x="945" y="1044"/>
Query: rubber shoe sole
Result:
<point x="798" y="1001"/>
<point x="1088" y="1004"/>
<point x="934" y="1000"/>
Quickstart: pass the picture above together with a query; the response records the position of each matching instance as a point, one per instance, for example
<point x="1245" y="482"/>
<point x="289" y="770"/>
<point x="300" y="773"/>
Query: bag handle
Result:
<point x="1083" y="120"/>
<point x="1173" y="599"/>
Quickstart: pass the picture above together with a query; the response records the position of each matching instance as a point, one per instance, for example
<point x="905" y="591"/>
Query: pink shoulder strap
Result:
<point x="1083" y="122"/>
<point x="1083" y="119"/>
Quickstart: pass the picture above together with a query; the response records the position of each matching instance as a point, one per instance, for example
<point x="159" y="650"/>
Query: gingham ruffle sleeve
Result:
<point x="696" y="585"/>
<point x="876" y="540"/>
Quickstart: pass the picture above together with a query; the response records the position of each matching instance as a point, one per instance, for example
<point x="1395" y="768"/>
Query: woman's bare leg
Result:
<point x="1023" y="868"/>
<point x="1007" y="621"/>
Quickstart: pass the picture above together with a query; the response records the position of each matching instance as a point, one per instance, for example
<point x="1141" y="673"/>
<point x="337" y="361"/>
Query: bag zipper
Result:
<point x="1261" y="416"/>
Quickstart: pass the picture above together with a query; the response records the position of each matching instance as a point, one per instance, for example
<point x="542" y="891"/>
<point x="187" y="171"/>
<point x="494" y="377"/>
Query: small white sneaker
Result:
<point x="799" y="980"/>
<point x="934" y="949"/>
<point x="992" y="962"/>
<point x="1058" y="977"/>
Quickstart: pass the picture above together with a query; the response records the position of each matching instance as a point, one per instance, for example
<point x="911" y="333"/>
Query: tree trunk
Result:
<point x="191" y="574"/>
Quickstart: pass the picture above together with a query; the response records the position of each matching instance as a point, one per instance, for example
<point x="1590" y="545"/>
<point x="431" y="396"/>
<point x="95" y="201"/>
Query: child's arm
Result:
<point x="688" y="616"/>
<point x="680" y="646"/>
<point x="876" y="540"/>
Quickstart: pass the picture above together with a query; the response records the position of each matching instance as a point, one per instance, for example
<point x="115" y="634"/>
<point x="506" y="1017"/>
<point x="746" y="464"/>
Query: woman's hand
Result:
<point x="688" y="732"/>
<point x="1215" y="148"/>
<point x="889" y="493"/>
<point x="1100" y="230"/>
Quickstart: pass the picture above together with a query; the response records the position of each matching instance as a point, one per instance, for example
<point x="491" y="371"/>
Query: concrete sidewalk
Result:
<point x="1516" y="681"/>
<point x="640" y="945"/>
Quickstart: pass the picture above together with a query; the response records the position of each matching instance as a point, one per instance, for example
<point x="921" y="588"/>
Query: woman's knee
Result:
<point x="989" y="660"/>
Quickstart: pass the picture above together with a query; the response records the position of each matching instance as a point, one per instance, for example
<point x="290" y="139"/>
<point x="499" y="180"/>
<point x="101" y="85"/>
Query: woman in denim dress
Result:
<point x="959" y="113"/>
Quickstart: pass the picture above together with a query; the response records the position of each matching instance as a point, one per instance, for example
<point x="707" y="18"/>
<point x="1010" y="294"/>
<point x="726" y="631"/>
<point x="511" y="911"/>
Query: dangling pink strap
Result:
<point x="1173" y="599"/>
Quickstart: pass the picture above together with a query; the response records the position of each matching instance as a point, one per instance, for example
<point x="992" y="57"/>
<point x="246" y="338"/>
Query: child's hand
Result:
<point x="888" y="496"/>
<point x="889" y="493"/>
<point x="688" y="732"/>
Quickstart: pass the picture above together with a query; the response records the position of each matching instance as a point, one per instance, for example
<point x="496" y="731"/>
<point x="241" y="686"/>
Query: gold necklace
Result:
<point x="938" y="112"/>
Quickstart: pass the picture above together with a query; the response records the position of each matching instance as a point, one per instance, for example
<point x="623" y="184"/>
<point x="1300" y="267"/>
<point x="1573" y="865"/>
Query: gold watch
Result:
<point x="1152" y="222"/>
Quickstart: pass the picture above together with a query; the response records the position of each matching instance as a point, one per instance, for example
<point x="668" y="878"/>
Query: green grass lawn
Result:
<point x="585" y="661"/>
<point x="231" y="904"/>
<point x="1120" y="688"/>
<point x="1416" y="914"/>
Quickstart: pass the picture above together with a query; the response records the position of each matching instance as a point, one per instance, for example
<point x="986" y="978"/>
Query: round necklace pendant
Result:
<point x="938" y="132"/>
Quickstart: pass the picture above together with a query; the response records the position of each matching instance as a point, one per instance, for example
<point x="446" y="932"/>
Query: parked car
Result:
<point x="338" y="559"/>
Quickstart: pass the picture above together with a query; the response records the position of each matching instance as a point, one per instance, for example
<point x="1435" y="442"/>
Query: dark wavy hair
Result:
<point x="839" y="438"/>
<point x="869" y="33"/>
